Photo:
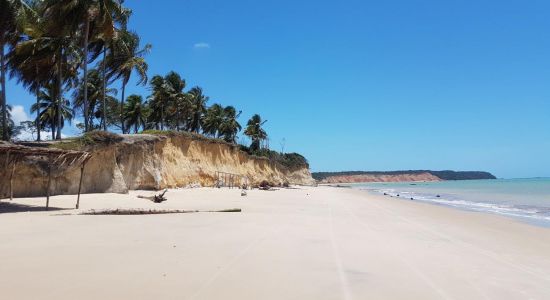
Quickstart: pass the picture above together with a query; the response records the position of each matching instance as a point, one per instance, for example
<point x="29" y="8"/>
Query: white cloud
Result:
<point x="18" y="114"/>
<point x="201" y="45"/>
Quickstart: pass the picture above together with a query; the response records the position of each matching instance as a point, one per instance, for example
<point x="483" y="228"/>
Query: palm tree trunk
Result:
<point x="59" y="94"/>
<point x="122" y="108"/>
<point x="53" y="130"/>
<point x="103" y="91"/>
<point x="177" y="117"/>
<point x="3" y="95"/>
<point x="37" y="112"/>
<point x="85" y="71"/>
<point x="162" y="117"/>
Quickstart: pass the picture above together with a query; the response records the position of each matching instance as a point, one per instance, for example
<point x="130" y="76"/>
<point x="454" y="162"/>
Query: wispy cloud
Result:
<point x="201" y="45"/>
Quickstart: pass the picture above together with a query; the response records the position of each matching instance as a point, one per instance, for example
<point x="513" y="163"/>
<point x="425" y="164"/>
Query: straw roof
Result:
<point x="60" y="158"/>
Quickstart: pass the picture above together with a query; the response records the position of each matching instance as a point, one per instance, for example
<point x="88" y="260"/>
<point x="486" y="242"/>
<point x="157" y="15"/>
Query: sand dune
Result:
<point x="306" y="243"/>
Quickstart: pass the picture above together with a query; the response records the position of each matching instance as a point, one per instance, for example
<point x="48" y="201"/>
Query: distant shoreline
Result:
<point x="398" y="176"/>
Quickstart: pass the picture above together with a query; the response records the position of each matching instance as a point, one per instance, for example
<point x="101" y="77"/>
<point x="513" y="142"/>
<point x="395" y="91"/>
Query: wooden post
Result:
<point x="6" y="168"/>
<point x="49" y="182"/>
<point x="11" y="179"/>
<point x="80" y="184"/>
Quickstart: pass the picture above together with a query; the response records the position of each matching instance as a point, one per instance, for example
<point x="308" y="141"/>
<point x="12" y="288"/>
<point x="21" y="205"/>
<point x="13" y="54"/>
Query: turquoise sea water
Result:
<point x="526" y="199"/>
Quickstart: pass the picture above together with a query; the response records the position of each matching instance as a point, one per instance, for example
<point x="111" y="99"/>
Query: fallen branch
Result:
<point x="122" y="211"/>
<point x="155" y="198"/>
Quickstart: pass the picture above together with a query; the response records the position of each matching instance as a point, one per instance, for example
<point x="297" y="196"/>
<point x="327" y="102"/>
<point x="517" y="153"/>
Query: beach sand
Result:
<point x="303" y="243"/>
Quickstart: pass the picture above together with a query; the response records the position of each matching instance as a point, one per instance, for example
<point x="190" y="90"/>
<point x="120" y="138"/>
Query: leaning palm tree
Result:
<point x="136" y="113"/>
<point x="13" y="14"/>
<point x="255" y="132"/>
<point x="127" y="57"/>
<point x="197" y="109"/>
<point x="230" y="126"/>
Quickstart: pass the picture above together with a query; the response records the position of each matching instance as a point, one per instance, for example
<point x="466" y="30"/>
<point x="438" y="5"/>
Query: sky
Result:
<point x="366" y="85"/>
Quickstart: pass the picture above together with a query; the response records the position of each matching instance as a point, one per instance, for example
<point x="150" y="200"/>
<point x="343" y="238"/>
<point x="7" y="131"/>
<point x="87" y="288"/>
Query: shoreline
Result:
<point x="316" y="242"/>
<point x="485" y="198"/>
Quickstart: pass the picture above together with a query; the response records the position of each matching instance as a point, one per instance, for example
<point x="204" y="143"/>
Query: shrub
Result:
<point x="92" y="138"/>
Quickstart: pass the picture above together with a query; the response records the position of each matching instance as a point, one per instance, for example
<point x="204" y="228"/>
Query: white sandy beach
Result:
<point x="304" y="243"/>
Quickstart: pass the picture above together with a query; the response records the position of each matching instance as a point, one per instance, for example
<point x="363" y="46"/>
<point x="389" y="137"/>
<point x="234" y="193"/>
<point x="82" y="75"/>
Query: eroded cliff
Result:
<point x="151" y="162"/>
<point x="380" y="178"/>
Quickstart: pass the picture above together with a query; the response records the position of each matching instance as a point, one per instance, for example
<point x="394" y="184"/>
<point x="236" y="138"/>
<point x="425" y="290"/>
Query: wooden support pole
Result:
<point x="80" y="185"/>
<point x="49" y="182"/>
<point x="11" y="178"/>
<point x="7" y="164"/>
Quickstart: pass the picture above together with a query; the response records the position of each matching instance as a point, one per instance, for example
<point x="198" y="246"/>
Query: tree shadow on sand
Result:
<point x="7" y="207"/>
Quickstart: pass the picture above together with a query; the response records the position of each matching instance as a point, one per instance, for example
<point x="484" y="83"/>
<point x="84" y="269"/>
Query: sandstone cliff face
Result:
<point x="381" y="178"/>
<point x="150" y="162"/>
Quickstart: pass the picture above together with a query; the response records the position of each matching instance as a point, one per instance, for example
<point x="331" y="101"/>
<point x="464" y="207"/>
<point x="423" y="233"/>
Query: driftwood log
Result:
<point x="138" y="211"/>
<point x="155" y="198"/>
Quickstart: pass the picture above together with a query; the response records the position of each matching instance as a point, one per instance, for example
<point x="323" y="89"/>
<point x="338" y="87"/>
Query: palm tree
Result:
<point x="102" y="45"/>
<point x="49" y="108"/>
<point x="197" y="109"/>
<point x="10" y="128"/>
<point x="12" y="18"/>
<point x="213" y="120"/>
<point x="255" y="132"/>
<point x="230" y="126"/>
<point x="29" y="69"/>
<point x="127" y="57"/>
<point x="177" y="99"/>
<point x="95" y="91"/>
<point x="136" y="113"/>
<point x="158" y="100"/>
<point x="83" y="20"/>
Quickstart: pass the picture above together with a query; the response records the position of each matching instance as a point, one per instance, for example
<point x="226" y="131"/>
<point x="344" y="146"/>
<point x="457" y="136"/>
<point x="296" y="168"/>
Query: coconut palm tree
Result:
<point x="25" y="66"/>
<point x="83" y="20"/>
<point x="127" y="57"/>
<point x="49" y="108"/>
<point x="13" y="14"/>
<point x="197" y="109"/>
<point x="95" y="96"/>
<point x="10" y="128"/>
<point x="230" y="126"/>
<point x="177" y="99"/>
<point x="255" y="132"/>
<point x="136" y="113"/>
<point x="158" y="100"/>
<point x="102" y="45"/>
<point x="213" y="120"/>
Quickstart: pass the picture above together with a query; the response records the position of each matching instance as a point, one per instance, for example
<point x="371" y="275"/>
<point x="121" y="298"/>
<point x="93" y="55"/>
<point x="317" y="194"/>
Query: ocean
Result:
<point x="524" y="199"/>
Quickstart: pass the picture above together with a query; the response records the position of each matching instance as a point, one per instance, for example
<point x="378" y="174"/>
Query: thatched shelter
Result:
<point x="57" y="160"/>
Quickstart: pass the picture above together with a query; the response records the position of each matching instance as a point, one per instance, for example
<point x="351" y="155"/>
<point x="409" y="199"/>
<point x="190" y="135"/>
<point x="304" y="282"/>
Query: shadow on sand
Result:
<point x="7" y="207"/>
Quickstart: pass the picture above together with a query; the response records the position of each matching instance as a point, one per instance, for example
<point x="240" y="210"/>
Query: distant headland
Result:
<point x="398" y="176"/>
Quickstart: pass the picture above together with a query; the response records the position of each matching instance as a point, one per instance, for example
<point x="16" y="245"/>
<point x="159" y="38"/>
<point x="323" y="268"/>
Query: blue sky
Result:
<point x="368" y="85"/>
